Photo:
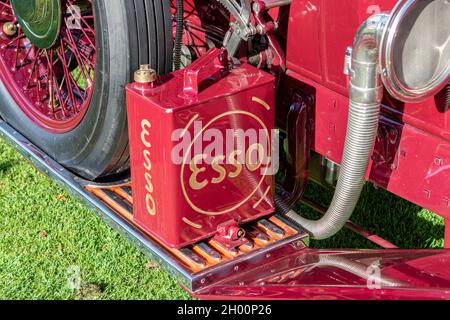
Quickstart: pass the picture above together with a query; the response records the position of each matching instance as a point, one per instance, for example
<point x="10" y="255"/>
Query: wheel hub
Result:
<point x="47" y="61"/>
<point x="40" y="20"/>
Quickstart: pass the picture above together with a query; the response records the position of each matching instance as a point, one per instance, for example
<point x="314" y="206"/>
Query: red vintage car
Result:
<point x="194" y="126"/>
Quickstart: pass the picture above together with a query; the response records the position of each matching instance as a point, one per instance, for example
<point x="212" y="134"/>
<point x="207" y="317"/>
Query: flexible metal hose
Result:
<point x="358" y="269"/>
<point x="179" y="35"/>
<point x="366" y="92"/>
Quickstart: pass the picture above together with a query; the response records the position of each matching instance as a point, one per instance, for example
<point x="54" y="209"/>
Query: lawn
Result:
<point x="45" y="235"/>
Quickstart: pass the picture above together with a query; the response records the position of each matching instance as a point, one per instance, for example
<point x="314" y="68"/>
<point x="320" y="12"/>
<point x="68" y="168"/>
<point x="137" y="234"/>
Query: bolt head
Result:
<point x="9" y="28"/>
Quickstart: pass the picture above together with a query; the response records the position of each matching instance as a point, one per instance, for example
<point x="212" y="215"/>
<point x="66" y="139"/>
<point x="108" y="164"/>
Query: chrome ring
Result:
<point x="390" y="37"/>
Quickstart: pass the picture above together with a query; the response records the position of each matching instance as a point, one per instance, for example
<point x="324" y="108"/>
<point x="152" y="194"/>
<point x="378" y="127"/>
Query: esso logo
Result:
<point x="218" y="173"/>
<point x="254" y="160"/>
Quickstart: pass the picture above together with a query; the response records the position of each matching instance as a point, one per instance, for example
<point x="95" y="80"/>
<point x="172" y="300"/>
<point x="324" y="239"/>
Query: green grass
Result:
<point x="44" y="233"/>
<point x="399" y="221"/>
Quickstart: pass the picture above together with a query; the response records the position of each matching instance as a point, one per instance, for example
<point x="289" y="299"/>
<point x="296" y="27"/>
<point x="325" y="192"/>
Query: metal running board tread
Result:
<point x="271" y="238"/>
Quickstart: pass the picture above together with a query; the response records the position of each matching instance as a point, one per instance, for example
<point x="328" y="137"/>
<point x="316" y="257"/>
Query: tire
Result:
<point x="128" y="33"/>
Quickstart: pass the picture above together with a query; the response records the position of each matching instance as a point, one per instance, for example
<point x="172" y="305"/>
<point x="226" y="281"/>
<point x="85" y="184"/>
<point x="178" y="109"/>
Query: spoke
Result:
<point x="67" y="80"/>
<point x="89" y="28"/>
<point x="32" y="70"/>
<point x="83" y="58"/>
<point x="51" y="78"/>
<point x="81" y="64"/>
<point x="8" y="44"/>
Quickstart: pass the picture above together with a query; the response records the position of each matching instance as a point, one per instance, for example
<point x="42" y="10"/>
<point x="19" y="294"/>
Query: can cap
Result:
<point x="145" y="74"/>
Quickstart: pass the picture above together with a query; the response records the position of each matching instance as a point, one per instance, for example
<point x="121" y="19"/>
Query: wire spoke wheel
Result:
<point x="53" y="85"/>
<point x="205" y="26"/>
<point x="63" y="68"/>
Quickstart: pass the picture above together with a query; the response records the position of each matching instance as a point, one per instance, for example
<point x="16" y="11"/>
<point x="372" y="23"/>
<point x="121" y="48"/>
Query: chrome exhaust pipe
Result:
<point x="366" y="93"/>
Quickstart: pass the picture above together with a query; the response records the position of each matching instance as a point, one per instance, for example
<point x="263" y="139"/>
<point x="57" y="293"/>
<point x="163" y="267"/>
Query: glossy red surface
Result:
<point x="182" y="203"/>
<point x="412" y="154"/>
<point x="320" y="32"/>
<point x="344" y="275"/>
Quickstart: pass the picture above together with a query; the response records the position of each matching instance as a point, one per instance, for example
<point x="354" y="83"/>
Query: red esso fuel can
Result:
<point x="202" y="149"/>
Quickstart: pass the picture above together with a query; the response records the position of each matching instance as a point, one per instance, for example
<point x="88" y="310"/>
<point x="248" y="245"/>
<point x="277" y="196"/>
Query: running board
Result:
<point x="277" y="266"/>
<point x="196" y="267"/>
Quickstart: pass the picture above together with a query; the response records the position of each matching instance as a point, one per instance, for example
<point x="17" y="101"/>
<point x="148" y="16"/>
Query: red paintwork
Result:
<point x="319" y="33"/>
<point x="154" y="114"/>
<point x="419" y="274"/>
<point x="412" y="155"/>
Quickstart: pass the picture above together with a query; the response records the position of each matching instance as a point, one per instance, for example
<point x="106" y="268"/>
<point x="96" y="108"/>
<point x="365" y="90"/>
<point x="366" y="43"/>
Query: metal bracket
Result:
<point x="240" y="30"/>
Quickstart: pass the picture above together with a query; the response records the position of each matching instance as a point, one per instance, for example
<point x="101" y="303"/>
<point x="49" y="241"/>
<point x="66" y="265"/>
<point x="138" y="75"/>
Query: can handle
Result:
<point x="205" y="66"/>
